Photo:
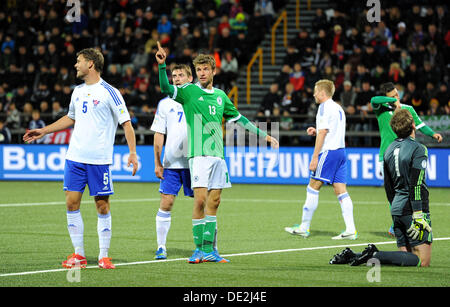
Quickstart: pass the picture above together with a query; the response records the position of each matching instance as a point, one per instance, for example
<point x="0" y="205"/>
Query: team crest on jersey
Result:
<point x="96" y="102"/>
<point x="219" y="100"/>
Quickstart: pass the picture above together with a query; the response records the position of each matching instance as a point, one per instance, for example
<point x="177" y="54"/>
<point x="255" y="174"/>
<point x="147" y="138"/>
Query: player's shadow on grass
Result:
<point x="179" y="253"/>
<point x="381" y="234"/>
<point x="321" y="233"/>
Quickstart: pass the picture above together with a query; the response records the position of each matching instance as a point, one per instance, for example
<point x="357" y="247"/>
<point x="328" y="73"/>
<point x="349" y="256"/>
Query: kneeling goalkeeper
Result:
<point x="405" y="162"/>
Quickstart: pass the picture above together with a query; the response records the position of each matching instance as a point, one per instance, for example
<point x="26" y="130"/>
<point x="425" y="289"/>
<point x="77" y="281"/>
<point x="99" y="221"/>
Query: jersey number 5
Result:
<point x="85" y="106"/>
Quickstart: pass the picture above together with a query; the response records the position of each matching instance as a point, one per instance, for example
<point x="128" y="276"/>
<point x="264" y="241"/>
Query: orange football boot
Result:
<point x="74" y="260"/>
<point x="105" y="263"/>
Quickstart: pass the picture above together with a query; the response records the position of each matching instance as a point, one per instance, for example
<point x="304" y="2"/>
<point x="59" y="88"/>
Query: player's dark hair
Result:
<point x="94" y="55"/>
<point x="402" y="123"/>
<point x="387" y="87"/>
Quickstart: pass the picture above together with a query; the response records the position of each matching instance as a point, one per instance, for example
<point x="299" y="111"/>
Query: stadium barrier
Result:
<point x="287" y="165"/>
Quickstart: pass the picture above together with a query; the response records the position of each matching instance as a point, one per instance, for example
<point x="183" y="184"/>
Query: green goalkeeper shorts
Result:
<point x="401" y="226"/>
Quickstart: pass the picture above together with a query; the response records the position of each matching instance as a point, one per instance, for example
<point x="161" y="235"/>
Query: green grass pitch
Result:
<point x="251" y="220"/>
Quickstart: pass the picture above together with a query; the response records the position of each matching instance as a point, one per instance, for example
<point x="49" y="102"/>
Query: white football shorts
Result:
<point x="209" y="172"/>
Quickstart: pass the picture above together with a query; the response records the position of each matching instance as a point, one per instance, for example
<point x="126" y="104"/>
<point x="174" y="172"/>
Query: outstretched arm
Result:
<point x="248" y="125"/>
<point x="61" y="124"/>
<point x="164" y="84"/>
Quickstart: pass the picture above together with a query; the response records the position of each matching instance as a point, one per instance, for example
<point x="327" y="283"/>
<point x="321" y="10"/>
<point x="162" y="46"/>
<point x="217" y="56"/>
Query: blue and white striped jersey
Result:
<point x="96" y="109"/>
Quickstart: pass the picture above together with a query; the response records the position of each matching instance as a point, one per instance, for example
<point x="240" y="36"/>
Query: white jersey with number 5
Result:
<point x="170" y="120"/>
<point x="96" y="109"/>
<point x="331" y="116"/>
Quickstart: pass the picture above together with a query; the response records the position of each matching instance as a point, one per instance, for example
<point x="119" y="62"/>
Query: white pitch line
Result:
<point x="228" y="255"/>
<point x="248" y="200"/>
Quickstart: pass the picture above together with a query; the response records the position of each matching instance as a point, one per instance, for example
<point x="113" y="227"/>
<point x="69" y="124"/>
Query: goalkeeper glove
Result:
<point x="418" y="225"/>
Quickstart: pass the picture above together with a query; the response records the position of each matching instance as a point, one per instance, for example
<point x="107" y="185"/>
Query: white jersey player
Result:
<point x="174" y="172"/>
<point x="328" y="163"/>
<point x="96" y="108"/>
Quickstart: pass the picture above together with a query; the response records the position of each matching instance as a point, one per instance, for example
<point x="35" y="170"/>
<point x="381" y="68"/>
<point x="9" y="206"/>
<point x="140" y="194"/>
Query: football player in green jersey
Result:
<point x="205" y="107"/>
<point x="384" y="107"/>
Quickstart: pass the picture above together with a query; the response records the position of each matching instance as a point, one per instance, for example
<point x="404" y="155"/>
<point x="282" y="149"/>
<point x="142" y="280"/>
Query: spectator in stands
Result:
<point x="267" y="11"/>
<point x="44" y="107"/>
<point x="312" y="76"/>
<point x="229" y="67"/>
<point x="283" y="76"/>
<point x="320" y="21"/>
<point x="21" y="97"/>
<point x="291" y="101"/>
<point x="400" y="38"/>
<point x="164" y="25"/>
<point x="13" y="119"/>
<point x="26" y="114"/>
<point x="5" y="133"/>
<point x="57" y="110"/>
<point x="430" y="92"/>
<point x="434" y="108"/>
<point x="348" y="98"/>
<point x="226" y="41"/>
<point x="40" y="94"/>
<point x="297" y="77"/>
<point x="36" y="123"/>
<point x="443" y="95"/>
<point x="141" y="98"/>
<point x="238" y="24"/>
<point x="270" y="102"/>
<point x="378" y="76"/>
<point x="396" y="73"/>
<point x="113" y="76"/>
<point x="362" y="104"/>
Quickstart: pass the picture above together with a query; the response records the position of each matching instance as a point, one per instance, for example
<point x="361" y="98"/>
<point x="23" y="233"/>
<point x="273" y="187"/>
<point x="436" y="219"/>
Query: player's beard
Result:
<point x="81" y="75"/>
<point x="206" y="83"/>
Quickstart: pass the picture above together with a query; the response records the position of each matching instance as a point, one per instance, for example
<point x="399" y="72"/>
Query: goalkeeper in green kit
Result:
<point x="205" y="107"/>
<point x="384" y="107"/>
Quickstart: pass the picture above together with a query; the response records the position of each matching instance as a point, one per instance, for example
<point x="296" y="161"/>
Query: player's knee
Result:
<point x="166" y="203"/>
<point x="102" y="204"/>
<point x="72" y="204"/>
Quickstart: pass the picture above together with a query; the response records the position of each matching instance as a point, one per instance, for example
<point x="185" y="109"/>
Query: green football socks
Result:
<point x="209" y="233"/>
<point x="198" y="226"/>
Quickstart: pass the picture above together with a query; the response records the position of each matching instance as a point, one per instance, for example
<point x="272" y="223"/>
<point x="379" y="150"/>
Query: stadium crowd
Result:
<point x="409" y="47"/>
<point x="39" y="45"/>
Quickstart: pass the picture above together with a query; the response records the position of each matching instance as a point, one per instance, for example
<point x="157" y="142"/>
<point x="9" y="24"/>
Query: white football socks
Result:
<point x="104" y="233"/>
<point x="163" y="221"/>
<point x="311" y="203"/>
<point x="347" y="212"/>
<point x="76" y="229"/>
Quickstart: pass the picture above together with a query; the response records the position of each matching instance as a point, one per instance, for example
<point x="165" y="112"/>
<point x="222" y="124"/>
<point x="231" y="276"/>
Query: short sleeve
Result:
<point x="160" y="121"/>
<point x="230" y="113"/>
<point x="118" y="106"/>
<point x="182" y="93"/>
<point x="71" y="111"/>
<point x="323" y="117"/>
<point x="417" y="120"/>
